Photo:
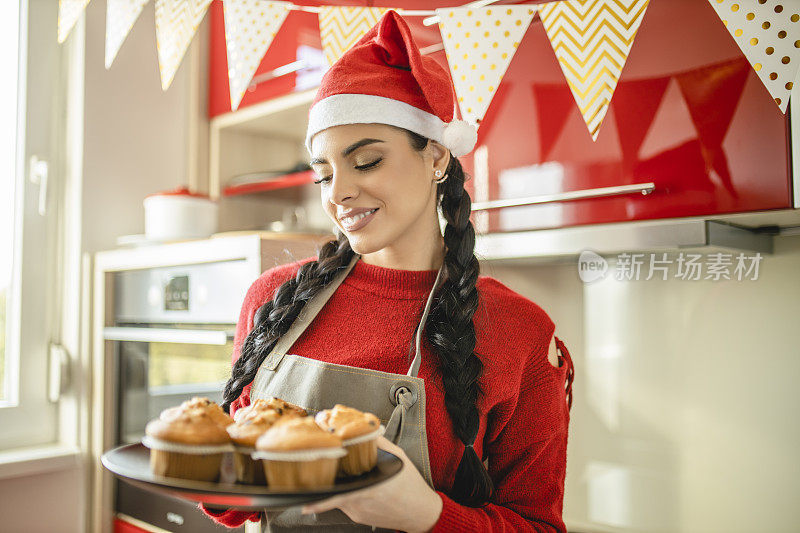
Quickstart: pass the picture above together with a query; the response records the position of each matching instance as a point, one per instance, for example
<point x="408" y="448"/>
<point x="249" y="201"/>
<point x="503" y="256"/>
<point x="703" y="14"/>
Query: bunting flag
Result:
<point x="121" y="15"/>
<point x="553" y="105"/>
<point x="591" y="40"/>
<point x="635" y="108"/>
<point x="341" y="27"/>
<point x="250" y="27"/>
<point x="479" y="44"/>
<point x="769" y="37"/>
<point x="68" y="13"/>
<point x="712" y="95"/>
<point x="176" y="24"/>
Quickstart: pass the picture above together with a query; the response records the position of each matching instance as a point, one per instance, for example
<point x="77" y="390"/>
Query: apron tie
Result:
<point x="403" y="399"/>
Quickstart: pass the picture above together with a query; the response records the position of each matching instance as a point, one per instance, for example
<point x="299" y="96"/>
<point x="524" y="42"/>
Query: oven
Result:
<point x="167" y="316"/>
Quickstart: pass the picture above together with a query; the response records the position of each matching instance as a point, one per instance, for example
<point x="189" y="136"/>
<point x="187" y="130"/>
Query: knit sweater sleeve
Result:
<point x="527" y="459"/>
<point x="261" y="291"/>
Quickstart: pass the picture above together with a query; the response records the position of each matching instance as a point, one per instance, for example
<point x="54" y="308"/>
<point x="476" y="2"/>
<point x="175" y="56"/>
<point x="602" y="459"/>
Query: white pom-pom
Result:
<point x="460" y="137"/>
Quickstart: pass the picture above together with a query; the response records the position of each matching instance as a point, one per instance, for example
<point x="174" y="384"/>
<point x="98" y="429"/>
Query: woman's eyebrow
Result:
<point x="347" y="151"/>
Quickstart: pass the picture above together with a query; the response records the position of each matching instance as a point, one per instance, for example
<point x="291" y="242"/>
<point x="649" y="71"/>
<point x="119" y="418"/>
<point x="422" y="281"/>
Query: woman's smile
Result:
<point x="357" y="221"/>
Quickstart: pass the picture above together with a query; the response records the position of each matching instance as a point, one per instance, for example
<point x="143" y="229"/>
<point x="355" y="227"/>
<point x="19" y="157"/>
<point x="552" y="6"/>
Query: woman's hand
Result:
<point x="405" y="501"/>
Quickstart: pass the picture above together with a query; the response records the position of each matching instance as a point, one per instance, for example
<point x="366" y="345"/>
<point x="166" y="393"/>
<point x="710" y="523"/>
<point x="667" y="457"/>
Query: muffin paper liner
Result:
<point x="300" y="455"/>
<point x="247" y="450"/>
<point x="194" y="449"/>
<point x="365" y="437"/>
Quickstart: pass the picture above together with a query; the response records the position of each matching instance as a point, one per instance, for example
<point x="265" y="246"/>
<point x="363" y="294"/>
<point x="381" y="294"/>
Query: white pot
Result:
<point x="179" y="214"/>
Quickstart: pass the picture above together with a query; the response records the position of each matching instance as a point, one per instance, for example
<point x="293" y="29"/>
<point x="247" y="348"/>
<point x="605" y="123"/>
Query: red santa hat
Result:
<point x="384" y="79"/>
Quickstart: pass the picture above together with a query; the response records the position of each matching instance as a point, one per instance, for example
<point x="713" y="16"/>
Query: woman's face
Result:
<point x="377" y="189"/>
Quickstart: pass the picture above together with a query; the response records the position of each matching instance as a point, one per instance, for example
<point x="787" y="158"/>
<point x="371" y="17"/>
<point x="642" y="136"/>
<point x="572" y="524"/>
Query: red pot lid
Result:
<point x="180" y="191"/>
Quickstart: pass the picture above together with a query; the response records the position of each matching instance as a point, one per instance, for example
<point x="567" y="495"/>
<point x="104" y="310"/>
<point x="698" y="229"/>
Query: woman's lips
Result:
<point x="357" y="222"/>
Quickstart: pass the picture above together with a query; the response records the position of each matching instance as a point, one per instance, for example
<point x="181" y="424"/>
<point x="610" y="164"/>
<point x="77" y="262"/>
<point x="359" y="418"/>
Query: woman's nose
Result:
<point x="343" y="188"/>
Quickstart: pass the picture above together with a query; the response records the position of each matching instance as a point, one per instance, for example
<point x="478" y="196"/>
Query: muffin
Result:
<point x="187" y="445"/>
<point x="244" y="434"/>
<point x="359" y="432"/>
<point x="276" y="404"/>
<point x="298" y="454"/>
<point x="216" y="412"/>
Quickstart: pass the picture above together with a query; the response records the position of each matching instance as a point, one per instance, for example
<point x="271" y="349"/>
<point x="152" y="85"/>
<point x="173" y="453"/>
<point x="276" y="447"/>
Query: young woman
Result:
<point x="393" y="317"/>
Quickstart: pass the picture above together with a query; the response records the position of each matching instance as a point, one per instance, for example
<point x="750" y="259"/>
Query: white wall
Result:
<point x="684" y="416"/>
<point x="136" y="141"/>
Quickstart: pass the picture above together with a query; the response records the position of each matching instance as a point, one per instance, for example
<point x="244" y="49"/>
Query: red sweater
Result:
<point x="524" y="414"/>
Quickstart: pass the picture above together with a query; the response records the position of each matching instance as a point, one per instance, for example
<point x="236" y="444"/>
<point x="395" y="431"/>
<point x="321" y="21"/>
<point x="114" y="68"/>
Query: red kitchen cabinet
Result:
<point x="122" y="526"/>
<point x="299" y="28"/>
<point x="688" y="115"/>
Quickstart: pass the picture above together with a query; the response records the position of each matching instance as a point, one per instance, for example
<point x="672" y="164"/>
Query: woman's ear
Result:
<point x="441" y="156"/>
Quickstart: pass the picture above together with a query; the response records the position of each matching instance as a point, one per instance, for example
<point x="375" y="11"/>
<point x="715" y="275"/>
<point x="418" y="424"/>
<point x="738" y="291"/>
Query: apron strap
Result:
<point x="310" y="310"/>
<point x="414" y="370"/>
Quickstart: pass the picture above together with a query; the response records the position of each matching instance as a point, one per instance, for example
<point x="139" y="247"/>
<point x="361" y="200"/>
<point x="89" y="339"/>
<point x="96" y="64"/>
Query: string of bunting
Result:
<point x="591" y="40"/>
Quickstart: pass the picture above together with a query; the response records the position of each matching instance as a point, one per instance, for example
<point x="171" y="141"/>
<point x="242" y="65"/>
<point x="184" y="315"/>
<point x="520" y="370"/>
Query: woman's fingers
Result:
<point x="322" y="506"/>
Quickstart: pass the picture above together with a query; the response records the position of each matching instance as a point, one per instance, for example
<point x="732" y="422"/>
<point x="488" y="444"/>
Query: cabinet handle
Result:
<point x="641" y="188"/>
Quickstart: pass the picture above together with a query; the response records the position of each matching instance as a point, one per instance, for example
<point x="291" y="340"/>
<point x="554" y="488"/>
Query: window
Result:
<point x="9" y="55"/>
<point x="31" y="138"/>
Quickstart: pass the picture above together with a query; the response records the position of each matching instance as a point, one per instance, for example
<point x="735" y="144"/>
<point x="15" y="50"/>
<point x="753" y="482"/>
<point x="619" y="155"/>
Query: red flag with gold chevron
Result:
<point x="479" y="44"/>
<point x="69" y="11"/>
<point x="250" y="27"/>
<point x="592" y="40"/>
<point x="341" y="27"/>
<point x="176" y="24"/>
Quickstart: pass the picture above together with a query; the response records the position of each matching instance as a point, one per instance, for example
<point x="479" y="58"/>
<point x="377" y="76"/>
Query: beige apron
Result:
<point x="397" y="399"/>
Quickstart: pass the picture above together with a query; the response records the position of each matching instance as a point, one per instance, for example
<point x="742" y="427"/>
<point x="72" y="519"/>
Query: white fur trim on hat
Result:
<point x="339" y="109"/>
<point x="460" y="137"/>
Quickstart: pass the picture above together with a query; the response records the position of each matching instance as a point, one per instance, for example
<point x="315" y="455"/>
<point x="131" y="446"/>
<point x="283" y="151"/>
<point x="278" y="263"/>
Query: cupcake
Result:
<point x="358" y="431"/>
<point x="276" y="404"/>
<point x="187" y="445"/>
<point x="298" y="454"/>
<point x="244" y="433"/>
<point x="213" y="410"/>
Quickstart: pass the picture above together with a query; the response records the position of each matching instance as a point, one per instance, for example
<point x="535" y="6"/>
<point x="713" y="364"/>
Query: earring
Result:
<point x="438" y="174"/>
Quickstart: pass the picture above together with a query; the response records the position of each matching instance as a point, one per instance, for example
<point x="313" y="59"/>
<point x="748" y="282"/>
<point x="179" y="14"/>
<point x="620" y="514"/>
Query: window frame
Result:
<point x="45" y="295"/>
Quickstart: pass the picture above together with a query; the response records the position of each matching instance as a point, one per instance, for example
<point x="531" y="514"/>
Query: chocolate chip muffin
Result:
<point x="297" y="453"/>
<point x="359" y="432"/>
<point x="188" y="445"/>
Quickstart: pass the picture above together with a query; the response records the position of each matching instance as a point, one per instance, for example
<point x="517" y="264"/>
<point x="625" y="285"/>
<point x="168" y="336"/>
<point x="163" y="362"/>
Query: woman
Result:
<point x="393" y="317"/>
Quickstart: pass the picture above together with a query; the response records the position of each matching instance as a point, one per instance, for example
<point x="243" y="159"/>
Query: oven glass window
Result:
<point x="180" y="366"/>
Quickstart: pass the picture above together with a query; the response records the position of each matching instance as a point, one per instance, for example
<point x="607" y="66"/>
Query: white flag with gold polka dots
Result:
<point x="69" y="11"/>
<point x="341" y="27"/>
<point x="176" y="24"/>
<point x="121" y="15"/>
<point x="250" y="27"/>
<point x="592" y="40"/>
<point x="768" y="32"/>
<point x="479" y="44"/>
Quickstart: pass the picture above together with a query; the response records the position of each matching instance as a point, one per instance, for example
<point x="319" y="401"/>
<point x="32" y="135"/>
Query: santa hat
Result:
<point x="384" y="79"/>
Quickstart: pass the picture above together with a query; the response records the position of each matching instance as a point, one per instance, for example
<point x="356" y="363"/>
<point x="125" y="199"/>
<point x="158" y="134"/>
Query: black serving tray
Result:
<point x="132" y="464"/>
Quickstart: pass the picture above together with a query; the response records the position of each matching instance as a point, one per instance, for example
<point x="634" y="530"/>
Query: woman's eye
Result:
<point x="369" y="165"/>
<point x="326" y="179"/>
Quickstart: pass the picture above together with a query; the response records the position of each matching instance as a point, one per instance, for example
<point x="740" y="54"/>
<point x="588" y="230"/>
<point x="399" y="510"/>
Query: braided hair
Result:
<point x="449" y="328"/>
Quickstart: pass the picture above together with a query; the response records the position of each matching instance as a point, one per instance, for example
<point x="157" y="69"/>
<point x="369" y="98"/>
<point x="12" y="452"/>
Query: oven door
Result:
<point x="162" y="365"/>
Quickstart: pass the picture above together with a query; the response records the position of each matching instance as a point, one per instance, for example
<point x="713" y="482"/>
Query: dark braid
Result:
<point x="451" y="331"/>
<point x="272" y="320"/>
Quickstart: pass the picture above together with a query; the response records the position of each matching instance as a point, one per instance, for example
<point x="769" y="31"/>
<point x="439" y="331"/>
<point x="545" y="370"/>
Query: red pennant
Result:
<point x="634" y="106"/>
<point x="554" y="102"/>
<point x="712" y="94"/>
